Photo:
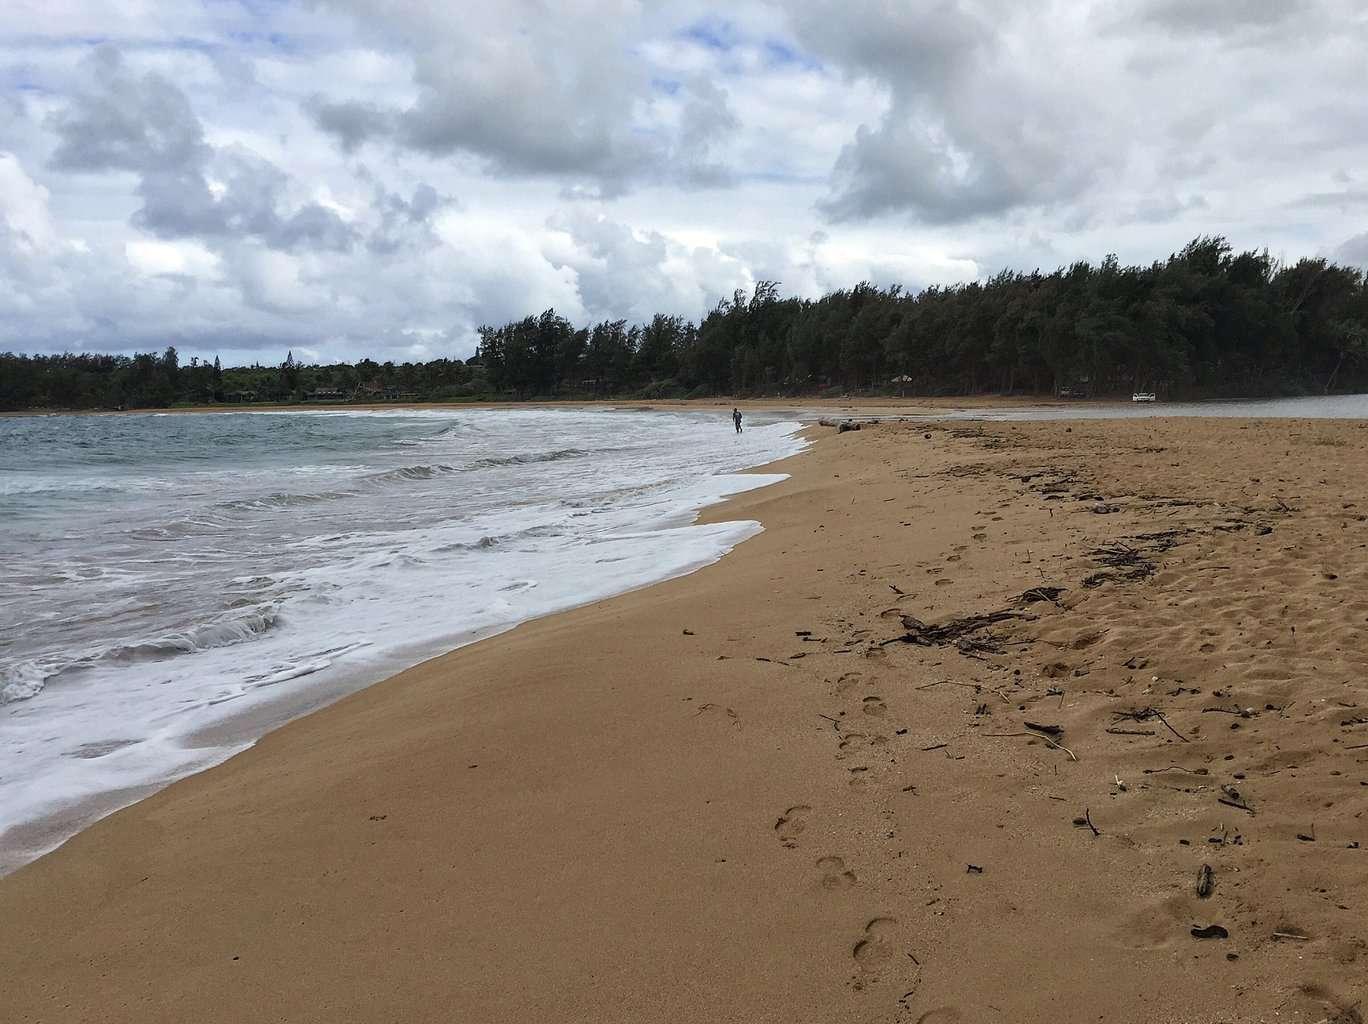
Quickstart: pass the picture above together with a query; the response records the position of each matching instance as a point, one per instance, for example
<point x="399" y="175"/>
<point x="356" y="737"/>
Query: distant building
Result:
<point x="382" y="393"/>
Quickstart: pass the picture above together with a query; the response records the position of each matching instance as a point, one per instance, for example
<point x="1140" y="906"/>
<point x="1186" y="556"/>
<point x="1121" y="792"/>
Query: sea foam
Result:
<point x="166" y="577"/>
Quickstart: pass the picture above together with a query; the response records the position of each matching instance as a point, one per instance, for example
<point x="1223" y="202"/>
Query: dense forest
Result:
<point x="1205" y="322"/>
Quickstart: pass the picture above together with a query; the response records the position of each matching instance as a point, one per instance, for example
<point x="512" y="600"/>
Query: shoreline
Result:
<point x="810" y="410"/>
<point x="659" y="404"/>
<point x="239" y="728"/>
<point x="735" y="795"/>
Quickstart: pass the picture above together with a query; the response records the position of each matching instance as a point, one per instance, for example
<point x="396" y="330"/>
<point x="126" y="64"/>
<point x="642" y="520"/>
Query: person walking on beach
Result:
<point x="736" y="419"/>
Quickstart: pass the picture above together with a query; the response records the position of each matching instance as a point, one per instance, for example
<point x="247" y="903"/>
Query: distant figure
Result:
<point x="736" y="419"/>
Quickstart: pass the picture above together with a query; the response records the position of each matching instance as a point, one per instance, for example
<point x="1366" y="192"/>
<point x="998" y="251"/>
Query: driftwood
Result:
<point x="1037" y="594"/>
<point x="1144" y="715"/>
<point x="1233" y="798"/>
<point x="958" y="632"/>
<point x="1126" y="563"/>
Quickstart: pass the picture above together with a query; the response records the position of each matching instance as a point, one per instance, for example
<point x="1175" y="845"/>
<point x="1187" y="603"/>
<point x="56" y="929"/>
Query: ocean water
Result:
<point x="163" y="577"/>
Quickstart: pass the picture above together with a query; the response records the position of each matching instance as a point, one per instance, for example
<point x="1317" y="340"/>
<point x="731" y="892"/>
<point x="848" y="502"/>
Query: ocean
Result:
<point x="172" y="586"/>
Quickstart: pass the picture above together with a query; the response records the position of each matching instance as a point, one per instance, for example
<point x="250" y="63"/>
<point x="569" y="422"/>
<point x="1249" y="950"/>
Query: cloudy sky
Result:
<point x="379" y="177"/>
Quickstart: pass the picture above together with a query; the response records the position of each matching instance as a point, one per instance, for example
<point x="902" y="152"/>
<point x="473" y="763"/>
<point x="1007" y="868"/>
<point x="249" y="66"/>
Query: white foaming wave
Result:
<point x="429" y="471"/>
<point x="46" y="486"/>
<point x="279" y="500"/>
<point x="234" y="629"/>
<point x="499" y="462"/>
<point x="362" y="603"/>
<point x="412" y="473"/>
<point x="22" y="681"/>
<point x="27" y="679"/>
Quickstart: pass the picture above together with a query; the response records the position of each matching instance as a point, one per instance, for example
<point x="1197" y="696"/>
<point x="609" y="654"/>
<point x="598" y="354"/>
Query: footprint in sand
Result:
<point x="875" y="949"/>
<point x="848" y="682"/>
<point x="834" y="873"/>
<point x="851" y="742"/>
<point x="791" y="825"/>
<point x="874" y="706"/>
<point x="1085" y="641"/>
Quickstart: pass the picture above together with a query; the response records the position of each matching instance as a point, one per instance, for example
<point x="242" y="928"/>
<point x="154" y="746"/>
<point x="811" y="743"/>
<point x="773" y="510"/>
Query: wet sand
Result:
<point x="800" y="785"/>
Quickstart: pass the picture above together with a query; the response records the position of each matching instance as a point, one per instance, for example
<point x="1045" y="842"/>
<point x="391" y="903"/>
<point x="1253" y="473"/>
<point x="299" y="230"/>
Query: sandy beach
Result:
<point x="1010" y="721"/>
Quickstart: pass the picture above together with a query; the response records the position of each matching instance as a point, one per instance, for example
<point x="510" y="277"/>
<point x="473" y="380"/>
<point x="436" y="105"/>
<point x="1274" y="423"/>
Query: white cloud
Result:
<point x="24" y="209"/>
<point x="173" y="259"/>
<point x="348" y="179"/>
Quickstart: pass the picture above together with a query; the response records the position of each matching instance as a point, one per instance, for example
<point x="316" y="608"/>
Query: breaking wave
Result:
<point x="27" y="679"/>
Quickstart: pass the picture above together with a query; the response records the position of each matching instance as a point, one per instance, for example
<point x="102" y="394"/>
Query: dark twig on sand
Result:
<point x="959" y="633"/>
<point x="1035" y="736"/>
<point x="1086" y="822"/>
<point x="1176" y="768"/>
<point x="1035" y="594"/>
<point x="1292" y="935"/>
<point x="1144" y="715"/>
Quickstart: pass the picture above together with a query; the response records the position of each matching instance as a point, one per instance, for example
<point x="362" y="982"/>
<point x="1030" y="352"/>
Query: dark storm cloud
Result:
<point x="533" y="141"/>
<point x="536" y="91"/>
<point x="994" y="109"/>
<point x="351" y="123"/>
<point x="406" y="222"/>
<point x="123" y="121"/>
<point x="968" y="131"/>
<point x="311" y="226"/>
<point x="1354" y="251"/>
<point x="127" y="122"/>
<point x="905" y="166"/>
<point x="1345" y="199"/>
<point x="1218" y="17"/>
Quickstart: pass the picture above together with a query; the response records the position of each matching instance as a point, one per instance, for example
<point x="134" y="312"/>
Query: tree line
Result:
<point x="1207" y="321"/>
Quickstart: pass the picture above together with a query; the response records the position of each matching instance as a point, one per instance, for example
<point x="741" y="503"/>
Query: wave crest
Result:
<point x="21" y="682"/>
<point x="222" y="633"/>
<point x="529" y="458"/>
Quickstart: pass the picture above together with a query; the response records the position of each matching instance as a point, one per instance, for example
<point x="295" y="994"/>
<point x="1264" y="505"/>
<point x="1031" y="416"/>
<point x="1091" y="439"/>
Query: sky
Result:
<point x="348" y="178"/>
